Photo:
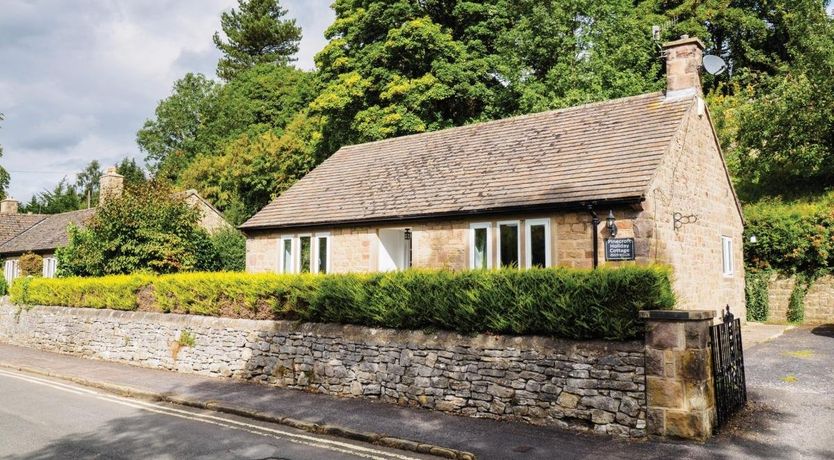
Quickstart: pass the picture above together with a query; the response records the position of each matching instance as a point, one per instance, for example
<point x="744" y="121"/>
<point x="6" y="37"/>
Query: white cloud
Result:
<point x="79" y="78"/>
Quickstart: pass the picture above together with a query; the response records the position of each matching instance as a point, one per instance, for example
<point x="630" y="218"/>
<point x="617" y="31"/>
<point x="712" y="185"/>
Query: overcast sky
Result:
<point x="79" y="78"/>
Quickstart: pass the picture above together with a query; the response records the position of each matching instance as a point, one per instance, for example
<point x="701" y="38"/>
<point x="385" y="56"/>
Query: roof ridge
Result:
<point x="511" y="118"/>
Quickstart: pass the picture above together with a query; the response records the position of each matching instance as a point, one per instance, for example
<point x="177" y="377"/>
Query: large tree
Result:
<point x="178" y="131"/>
<point x="87" y="183"/>
<point x="256" y="33"/>
<point x="62" y="198"/>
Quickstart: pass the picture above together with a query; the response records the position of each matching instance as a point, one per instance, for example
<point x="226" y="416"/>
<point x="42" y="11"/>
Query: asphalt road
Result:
<point x="44" y="419"/>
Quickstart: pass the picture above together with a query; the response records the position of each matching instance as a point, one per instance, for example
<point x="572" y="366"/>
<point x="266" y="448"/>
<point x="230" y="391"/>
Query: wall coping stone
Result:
<point x="677" y="315"/>
<point x="368" y="335"/>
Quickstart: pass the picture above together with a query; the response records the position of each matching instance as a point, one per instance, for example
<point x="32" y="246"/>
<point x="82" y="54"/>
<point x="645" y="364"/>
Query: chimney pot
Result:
<point x="8" y="206"/>
<point x="111" y="185"/>
<point x="684" y="58"/>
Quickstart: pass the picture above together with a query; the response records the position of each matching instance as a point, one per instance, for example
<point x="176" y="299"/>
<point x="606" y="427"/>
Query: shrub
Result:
<point x="230" y="246"/>
<point x="147" y="228"/>
<point x="119" y="292"/>
<point x="794" y="237"/>
<point x="756" y="295"/>
<point x="31" y="264"/>
<point x="4" y="286"/>
<point x="567" y="303"/>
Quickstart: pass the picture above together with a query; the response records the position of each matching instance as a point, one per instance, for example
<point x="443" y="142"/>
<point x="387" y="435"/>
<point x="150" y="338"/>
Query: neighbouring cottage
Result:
<point x="42" y="234"/>
<point x="528" y="191"/>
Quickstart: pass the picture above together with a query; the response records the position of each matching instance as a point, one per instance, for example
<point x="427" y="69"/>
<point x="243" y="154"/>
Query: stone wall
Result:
<point x="596" y="386"/>
<point x="693" y="181"/>
<point x="819" y="301"/>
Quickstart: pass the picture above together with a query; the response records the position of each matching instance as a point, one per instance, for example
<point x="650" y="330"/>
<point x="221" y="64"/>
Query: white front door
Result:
<point x="394" y="249"/>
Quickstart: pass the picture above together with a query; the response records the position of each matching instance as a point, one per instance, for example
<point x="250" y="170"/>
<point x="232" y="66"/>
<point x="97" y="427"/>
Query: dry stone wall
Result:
<point x="597" y="386"/>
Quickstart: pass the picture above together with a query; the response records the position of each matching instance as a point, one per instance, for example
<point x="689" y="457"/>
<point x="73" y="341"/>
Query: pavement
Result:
<point x="756" y="333"/>
<point x="788" y="417"/>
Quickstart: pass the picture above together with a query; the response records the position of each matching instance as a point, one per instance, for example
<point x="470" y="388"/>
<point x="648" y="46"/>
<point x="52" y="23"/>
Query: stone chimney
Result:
<point x="8" y="206"/>
<point x="683" y="67"/>
<point x="111" y="185"/>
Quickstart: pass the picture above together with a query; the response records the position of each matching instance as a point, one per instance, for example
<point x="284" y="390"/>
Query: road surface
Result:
<point x="43" y="418"/>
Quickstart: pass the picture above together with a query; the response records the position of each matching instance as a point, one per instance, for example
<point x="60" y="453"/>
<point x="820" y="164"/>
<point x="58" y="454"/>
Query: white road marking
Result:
<point x="311" y="441"/>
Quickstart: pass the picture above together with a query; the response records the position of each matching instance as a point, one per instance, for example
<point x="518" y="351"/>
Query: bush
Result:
<point x="119" y="292"/>
<point x="567" y="303"/>
<point x="756" y="295"/>
<point x="31" y="264"/>
<point x="795" y="237"/>
<point x="230" y="246"/>
<point x="147" y="228"/>
<point x="4" y="286"/>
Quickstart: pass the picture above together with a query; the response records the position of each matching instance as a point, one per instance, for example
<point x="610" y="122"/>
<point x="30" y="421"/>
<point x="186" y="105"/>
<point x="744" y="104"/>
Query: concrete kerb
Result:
<point x="330" y="430"/>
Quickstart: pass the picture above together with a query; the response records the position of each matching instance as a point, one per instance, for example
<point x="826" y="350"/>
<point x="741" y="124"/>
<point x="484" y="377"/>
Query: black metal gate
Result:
<point x="727" y="367"/>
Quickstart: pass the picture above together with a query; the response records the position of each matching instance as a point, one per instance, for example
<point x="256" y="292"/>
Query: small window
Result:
<point x="305" y="254"/>
<point x="49" y="266"/>
<point x="727" y="255"/>
<point x="286" y="255"/>
<point x="538" y="243"/>
<point x="480" y="249"/>
<point x="508" y="243"/>
<point x="322" y="252"/>
<point x="10" y="270"/>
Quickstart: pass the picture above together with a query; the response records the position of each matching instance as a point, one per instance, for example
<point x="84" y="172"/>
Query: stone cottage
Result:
<point x="634" y="180"/>
<point x="42" y="234"/>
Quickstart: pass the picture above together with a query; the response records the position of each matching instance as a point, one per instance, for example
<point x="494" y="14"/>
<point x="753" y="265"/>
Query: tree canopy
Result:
<point x="395" y="67"/>
<point x="256" y="33"/>
<point x="4" y="174"/>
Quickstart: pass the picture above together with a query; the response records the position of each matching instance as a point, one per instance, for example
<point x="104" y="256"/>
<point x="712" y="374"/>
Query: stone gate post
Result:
<point x="679" y="387"/>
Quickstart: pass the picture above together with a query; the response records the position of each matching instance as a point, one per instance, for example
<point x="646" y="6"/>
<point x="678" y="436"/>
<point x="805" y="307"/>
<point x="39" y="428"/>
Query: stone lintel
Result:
<point x="677" y="315"/>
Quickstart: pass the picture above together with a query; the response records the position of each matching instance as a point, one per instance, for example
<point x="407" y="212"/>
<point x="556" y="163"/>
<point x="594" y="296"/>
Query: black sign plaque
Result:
<point x="619" y="249"/>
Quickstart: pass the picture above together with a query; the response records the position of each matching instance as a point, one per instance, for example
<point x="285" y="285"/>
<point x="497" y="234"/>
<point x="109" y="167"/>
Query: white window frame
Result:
<point x="477" y="226"/>
<point x="281" y="262"/>
<point x="727" y="262"/>
<point x="11" y="265"/>
<point x="50" y="266"/>
<point x="297" y="253"/>
<point x="498" y="225"/>
<point x="528" y="246"/>
<point x="316" y="239"/>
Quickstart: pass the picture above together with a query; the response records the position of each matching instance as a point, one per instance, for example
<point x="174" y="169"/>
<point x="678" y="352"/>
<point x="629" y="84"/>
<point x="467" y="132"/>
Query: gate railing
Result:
<point x="727" y="368"/>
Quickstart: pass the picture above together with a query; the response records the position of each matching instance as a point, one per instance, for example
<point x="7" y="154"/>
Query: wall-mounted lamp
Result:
<point x="610" y="222"/>
<point x="407" y="234"/>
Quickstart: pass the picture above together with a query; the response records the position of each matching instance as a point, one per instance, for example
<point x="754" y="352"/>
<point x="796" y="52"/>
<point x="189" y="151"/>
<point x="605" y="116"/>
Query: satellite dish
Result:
<point x="714" y="65"/>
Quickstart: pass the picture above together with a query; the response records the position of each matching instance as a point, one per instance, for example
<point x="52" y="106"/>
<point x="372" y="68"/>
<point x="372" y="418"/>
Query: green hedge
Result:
<point x="566" y="303"/>
<point x="791" y="237"/>
<point x="119" y="292"/>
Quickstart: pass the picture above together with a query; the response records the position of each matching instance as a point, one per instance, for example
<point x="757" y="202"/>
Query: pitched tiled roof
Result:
<point x="48" y="233"/>
<point x="595" y="152"/>
<point x="12" y="225"/>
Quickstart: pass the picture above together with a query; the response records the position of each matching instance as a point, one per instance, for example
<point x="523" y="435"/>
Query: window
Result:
<point x="10" y="270"/>
<point x="480" y="256"/>
<point x="286" y="254"/>
<point x="322" y="253"/>
<point x="49" y="266"/>
<point x="508" y="243"/>
<point x="305" y="254"/>
<point x="537" y="243"/>
<point x="727" y="255"/>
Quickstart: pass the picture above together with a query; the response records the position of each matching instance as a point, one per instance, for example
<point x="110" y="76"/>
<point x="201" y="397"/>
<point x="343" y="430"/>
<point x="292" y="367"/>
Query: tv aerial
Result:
<point x="714" y="65"/>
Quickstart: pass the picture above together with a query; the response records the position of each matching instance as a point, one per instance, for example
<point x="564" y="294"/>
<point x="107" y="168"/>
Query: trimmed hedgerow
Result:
<point x="567" y="303"/>
<point x="118" y="292"/>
